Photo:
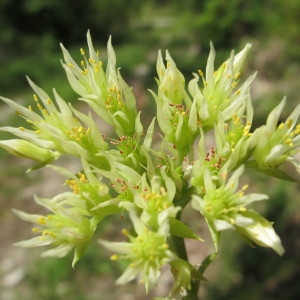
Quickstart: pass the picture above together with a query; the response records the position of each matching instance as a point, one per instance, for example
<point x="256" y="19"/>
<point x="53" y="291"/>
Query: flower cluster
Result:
<point x="206" y="143"/>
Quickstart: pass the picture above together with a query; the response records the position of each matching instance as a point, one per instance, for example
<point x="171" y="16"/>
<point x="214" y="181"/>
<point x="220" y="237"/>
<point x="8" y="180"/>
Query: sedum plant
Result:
<point x="205" y="144"/>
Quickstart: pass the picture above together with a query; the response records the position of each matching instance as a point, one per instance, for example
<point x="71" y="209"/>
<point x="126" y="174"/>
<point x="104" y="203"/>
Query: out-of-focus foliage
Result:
<point x="65" y="20"/>
<point x="31" y="31"/>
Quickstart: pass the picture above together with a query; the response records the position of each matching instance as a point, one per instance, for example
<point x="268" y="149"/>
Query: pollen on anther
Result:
<point x="41" y="220"/>
<point x="245" y="187"/>
<point x="200" y="72"/>
<point x="125" y="232"/>
<point x="114" y="257"/>
<point x="234" y="85"/>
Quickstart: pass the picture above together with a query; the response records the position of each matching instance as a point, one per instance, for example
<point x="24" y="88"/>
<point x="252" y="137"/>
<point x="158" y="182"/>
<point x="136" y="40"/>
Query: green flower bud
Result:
<point x="225" y="208"/>
<point x="275" y="143"/>
<point x="27" y="149"/>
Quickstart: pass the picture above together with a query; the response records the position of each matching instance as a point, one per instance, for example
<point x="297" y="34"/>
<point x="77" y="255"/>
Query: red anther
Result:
<point x="207" y="157"/>
<point x="122" y="138"/>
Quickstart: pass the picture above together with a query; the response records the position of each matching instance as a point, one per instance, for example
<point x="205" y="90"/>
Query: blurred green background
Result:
<point x="30" y="33"/>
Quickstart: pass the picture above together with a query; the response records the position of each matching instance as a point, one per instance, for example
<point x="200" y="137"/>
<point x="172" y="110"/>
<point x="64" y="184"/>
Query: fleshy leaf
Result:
<point x="277" y="173"/>
<point x="178" y="228"/>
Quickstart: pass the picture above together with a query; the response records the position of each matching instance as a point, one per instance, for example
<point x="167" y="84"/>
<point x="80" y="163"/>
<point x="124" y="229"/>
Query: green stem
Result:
<point x="179" y="246"/>
<point x="207" y="261"/>
<point x="195" y="284"/>
<point x="180" y="249"/>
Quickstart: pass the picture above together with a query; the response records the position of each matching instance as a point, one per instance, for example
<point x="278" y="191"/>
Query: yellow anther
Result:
<point x="289" y="123"/>
<point x="35" y="97"/>
<point x="200" y="73"/>
<point x="82" y="178"/>
<point x="39" y="106"/>
<point x="82" y="63"/>
<point x="82" y="52"/>
<point x="289" y="142"/>
<point x="245" y="187"/>
<point x="237" y="75"/>
<point x="234" y="85"/>
<point x="242" y="209"/>
<point x="41" y="220"/>
<point x="22" y="128"/>
<point x="30" y="108"/>
<point x="125" y="232"/>
<point x="114" y="257"/>
<point x="35" y="229"/>
<point x="246" y="130"/>
<point x="84" y="72"/>
<point x="49" y="101"/>
<point x="38" y="132"/>
<point x="228" y="76"/>
<point x="91" y="60"/>
<point x="238" y="92"/>
<point x="71" y="65"/>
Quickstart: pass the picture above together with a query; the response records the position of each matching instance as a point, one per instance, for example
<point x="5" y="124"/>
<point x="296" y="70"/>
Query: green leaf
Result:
<point x="203" y="266"/>
<point x="277" y="173"/>
<point x="215" y="235"/>
<point x="180" y="229"/>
